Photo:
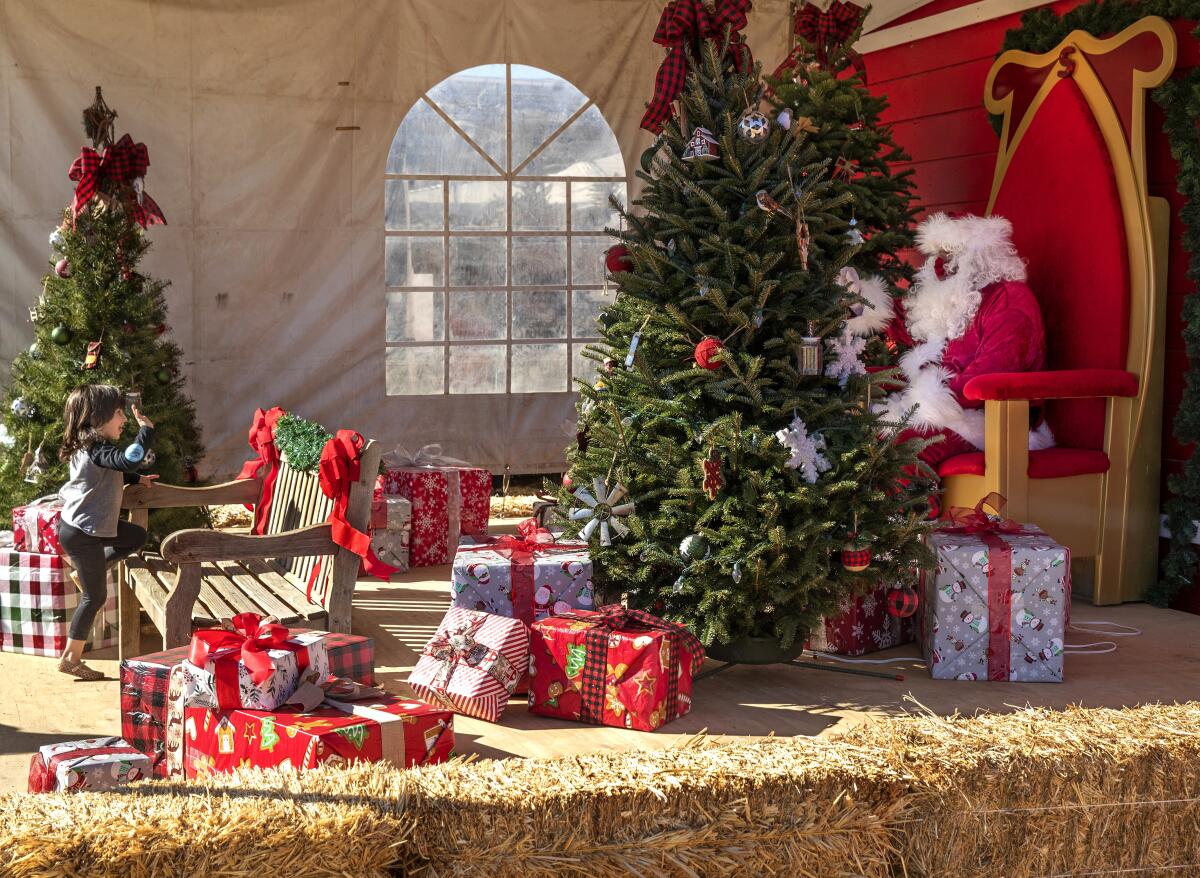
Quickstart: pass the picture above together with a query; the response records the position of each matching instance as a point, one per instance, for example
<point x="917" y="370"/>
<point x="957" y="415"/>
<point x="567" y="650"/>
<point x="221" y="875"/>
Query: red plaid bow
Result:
<point x="121" y="164"/>
<point x="684" y="23"/>
<point x="964" y="520"/>
<point x="824" y="32"/>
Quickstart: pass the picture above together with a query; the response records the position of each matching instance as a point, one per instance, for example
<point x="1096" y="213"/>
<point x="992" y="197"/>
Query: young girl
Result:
<point x="90" y="529"/>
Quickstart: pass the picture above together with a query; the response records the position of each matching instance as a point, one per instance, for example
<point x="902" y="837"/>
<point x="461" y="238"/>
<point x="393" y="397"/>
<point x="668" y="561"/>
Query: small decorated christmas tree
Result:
<point x="730" y="473"/>
<point x="98" y="320"/>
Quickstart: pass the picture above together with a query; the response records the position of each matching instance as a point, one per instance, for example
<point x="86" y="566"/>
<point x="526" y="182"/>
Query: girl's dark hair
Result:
<point x="89" y="407"/>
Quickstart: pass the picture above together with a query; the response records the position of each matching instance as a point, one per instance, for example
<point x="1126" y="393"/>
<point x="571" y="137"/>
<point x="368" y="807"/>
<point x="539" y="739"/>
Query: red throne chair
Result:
<point x="1071" y="176"/>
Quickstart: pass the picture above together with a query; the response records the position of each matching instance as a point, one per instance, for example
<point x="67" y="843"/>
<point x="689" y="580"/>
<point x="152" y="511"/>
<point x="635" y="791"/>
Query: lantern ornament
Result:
<point x="808" y="355"/>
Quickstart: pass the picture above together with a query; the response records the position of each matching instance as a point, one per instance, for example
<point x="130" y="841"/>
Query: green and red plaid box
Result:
<point x="144" y="683"/>
<point x="37" y="600"/>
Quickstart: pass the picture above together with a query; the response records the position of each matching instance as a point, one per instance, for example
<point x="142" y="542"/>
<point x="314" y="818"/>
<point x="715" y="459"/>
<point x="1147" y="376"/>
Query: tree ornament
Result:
<point x="765" y="202"/>
<point x="702" y="146"/>
<point x="706" y="353"/>
<point x="671" y="247"/>
<point x="149" y="459"/>
<point x="784" y="118"/>
<point x="609" y="364"/>
<point x="855" y="557"/>
<point x="753" y="126"/>
<point x="61" y="334"/>
<point x="713" y="481"/>
<point x="844" y="168"/>
<point x="27" y="457"/>
<point x="693" y="547"/>
<point x="38" y="466"/>
<point x="853" y="235"/>
<point x="56" y="238"/>
<point x="133" y="398"/>
<point x="677" y="585"/>
<point x="902" y="602"/>
<point x="617" y="259"/>
<point x="92" y="358"/>
<point x="35" y="314"/>
<point x="128" y="328"/>
<point x="161" y="328"/>
<point x="808" y="355"/>
<point x="35" y="352"/>
<point x="803" y="242"/>
<point x="847" y="350"/>
<point x="566" y="481"/>
<point x="62" y="268"/>
<point x="736" y="574"/>
<point x="126" y="274"/>
<point x="806" y="450"/>
<point x="163" y="376"/>
<point x="647" y="159"/>
<point x="633" y="346"/>
<point x="190" y="473"/>
<point x="23" y="408"/>
<point x="806" y="123"/>
<point x="758" y="318"/>
<point x="603" y="510"/>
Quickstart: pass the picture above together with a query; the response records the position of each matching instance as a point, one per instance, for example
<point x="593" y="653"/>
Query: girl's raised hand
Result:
<point x="141" y="419"/>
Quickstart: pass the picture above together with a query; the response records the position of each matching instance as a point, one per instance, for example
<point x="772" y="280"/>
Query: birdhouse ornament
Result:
<point x="702" y="146"/>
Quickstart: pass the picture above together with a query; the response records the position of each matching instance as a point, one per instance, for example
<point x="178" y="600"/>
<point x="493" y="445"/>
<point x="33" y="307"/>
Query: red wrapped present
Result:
<point x="473" y="663"/>
<point x="380" y="727"/>
<point x="91" y="764"/>
<point x="449" y="498"/>
<point x="613" y="667"/>
<point x="863" y="624"/>
<point x="144" y="687"/>
<point x="35" y="526"/>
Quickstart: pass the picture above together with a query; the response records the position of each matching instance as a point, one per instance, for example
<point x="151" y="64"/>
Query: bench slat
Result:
<point x="214" y="597"/>
<point x="286" y="591"/>
<point x="254" y="593"/>
<point x="151" y="591"/>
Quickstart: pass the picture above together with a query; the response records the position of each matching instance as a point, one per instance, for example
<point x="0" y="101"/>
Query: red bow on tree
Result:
<point x="120" y="164"/>
<point x="823" y="33"/>
<point x="682" y="27"/>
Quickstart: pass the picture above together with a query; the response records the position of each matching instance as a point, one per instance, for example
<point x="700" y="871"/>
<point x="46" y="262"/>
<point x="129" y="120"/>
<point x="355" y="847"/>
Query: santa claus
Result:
<point x="969" y="313"/>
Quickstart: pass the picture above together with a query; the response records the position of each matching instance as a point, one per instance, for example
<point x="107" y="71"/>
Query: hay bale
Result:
<point x="917" y="796"/>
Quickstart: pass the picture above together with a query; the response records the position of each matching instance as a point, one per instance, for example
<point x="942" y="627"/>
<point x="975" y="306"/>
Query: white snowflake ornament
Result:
<point x="602" y="508"/>
<point x="845" y="351"/>
<point x="806" y="450"/>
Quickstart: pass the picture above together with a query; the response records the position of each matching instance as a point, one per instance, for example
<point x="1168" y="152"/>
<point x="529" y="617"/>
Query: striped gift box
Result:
<point x="37" y="601"/>
<point x="473" y="663"/>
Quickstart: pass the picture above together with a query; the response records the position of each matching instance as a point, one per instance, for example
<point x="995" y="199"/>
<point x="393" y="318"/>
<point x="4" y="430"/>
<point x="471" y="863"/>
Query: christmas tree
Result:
<point x="730" y="473"/>
<point x="98" y="320"/>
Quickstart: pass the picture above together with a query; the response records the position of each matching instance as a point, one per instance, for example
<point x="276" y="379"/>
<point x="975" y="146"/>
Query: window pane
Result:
<point x="587" y="148"/>
<point x="581" y="367"/>
<point x="539" y="260"/>
<point x="478" y="204"/>
<point x="425" y="144"/>
<point x="587" y="258"/>
<point x="539" y="314"/>
<point x="412" y="205"/>
<point x="413" y="262"/>
<point x="414" y="316"/>
<point x="476" y="262"/>
<point x="541" y="102"/>
<point x="415" y="371"/>
<point x="586" y="306"/>
<point x="539" y="206"/>
<point x="479" y="315"/>
<point x="539" y="368"/>
<point x="477" y="368"/>
<point x="590" y="210"/>
<point x="474" y="99"/>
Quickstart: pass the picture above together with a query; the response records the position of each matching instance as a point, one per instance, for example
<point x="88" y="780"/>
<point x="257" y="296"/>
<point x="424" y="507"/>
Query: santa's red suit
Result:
<point x="969" y="313"/>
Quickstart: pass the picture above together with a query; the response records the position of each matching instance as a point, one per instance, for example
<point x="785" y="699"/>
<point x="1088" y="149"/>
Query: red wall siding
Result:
<point x="935" y="87"/>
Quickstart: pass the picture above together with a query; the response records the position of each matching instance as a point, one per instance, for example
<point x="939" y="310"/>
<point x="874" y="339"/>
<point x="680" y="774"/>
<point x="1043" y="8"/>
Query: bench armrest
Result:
<point x="200" y="544"/>
<point x="160" y="496"/>
<point x="1060" y="384"/>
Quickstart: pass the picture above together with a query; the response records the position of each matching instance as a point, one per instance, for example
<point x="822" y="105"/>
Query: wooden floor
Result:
<point x="40" y="706"/>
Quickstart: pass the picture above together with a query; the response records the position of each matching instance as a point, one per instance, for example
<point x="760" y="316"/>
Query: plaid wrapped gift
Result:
<point x="91" y="764"/>
<point x="37" y="601"/>
<point x="863" y="624"/>
<point x="613" y="667"/>
<point x="35" y="526"/>
<point x="144" y="682"/>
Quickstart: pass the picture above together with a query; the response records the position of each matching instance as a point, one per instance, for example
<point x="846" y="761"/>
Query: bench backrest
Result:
<point x="298" y="501"/>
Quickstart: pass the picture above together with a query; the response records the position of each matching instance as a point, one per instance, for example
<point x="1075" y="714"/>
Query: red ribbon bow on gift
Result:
<point x="615" y="616"/>
<point x="262" y="443"/>
<point x="682" y="27"/>
<point x="249" y="634"/>
<point x="825" y="32"/>
<point x="341" y="467"/>
<point x="119" y="164"/>
<point x="535" y="533"/>
<point x="964" y="520"/>
<point x="521" y="550"/>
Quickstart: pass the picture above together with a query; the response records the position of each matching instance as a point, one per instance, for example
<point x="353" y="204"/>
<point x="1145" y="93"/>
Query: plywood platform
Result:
<point x="40" y="706"/>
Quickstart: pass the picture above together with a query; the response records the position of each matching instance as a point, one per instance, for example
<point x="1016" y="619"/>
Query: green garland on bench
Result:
<point x="300" y="442"/>
<point x="1040" y="31"/>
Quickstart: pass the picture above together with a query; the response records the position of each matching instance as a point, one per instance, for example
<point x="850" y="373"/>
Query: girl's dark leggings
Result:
<point x="90" y="556"/>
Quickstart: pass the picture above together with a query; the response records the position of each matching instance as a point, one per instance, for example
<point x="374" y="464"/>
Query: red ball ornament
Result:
<point x="706" y="353"/>
<point x="566" y="482"/>
<point x="128" y="328"/>
<point x="617" y="259"/>
<point x="902" y="602"/>
<point x="855" y="559"/>
<point x="161" y="328"/>
<point x="62" y="268"/>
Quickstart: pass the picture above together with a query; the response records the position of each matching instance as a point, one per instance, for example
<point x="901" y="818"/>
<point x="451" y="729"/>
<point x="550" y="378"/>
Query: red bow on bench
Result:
<point x="262" y="442"/>
<point x="341" y="467"/>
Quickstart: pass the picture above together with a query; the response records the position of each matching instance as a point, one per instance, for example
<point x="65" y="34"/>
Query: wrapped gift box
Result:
<point x="612" y="667"/>
<point x="447" y="501"/>
<point x="996" y="607"/>
<point x="863" y="624"/>
<point x="523" y="579"/>
<point x="391" y="529"/>
<point x="144" y="686"/>
<point x="473" y="663"/>
<point x="91" y="764"/>
<point x="35" y="526"/>
<point x="401" y="731"/>
<point x="37" y="600"/>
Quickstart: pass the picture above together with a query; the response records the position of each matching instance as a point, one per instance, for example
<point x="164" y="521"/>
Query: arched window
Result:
<point x="496" y="198"/>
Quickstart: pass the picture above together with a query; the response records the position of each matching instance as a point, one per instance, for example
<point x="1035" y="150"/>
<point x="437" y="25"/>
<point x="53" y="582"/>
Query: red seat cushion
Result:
<point x="1052" y="463"/>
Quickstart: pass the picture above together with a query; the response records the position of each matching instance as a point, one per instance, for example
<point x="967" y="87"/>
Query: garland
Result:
<point x="300" y="442"/>
<point x="1040" y="31"/>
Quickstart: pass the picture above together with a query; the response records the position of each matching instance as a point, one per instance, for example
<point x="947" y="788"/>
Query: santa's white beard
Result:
<point x="940" y="308"/>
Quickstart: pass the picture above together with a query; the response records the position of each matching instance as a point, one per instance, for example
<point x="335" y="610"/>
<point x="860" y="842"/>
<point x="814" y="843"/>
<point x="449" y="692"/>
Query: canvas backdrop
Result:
<point x="275" y="242"/>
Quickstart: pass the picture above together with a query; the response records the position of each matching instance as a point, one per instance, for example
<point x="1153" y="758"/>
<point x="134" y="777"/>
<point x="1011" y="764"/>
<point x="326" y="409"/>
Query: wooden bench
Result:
<point x="293" y="571"/>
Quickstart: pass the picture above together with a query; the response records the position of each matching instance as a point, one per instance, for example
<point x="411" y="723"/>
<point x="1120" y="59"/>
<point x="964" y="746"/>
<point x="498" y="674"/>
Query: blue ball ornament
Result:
<point x="134" y="453"/>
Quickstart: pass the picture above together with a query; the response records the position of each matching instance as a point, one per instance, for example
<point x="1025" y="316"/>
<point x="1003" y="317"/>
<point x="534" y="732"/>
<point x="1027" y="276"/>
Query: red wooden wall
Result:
<point x="935" y="87"/>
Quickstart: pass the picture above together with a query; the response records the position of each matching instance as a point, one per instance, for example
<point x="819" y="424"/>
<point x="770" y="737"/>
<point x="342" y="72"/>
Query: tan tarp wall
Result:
<point x="274" y="247"/>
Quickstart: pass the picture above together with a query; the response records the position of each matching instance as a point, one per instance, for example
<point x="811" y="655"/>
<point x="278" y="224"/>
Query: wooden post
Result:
<point x="1006" y="454"/>
<point x="178" y="628"/>
<point x="129" y="608"/>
